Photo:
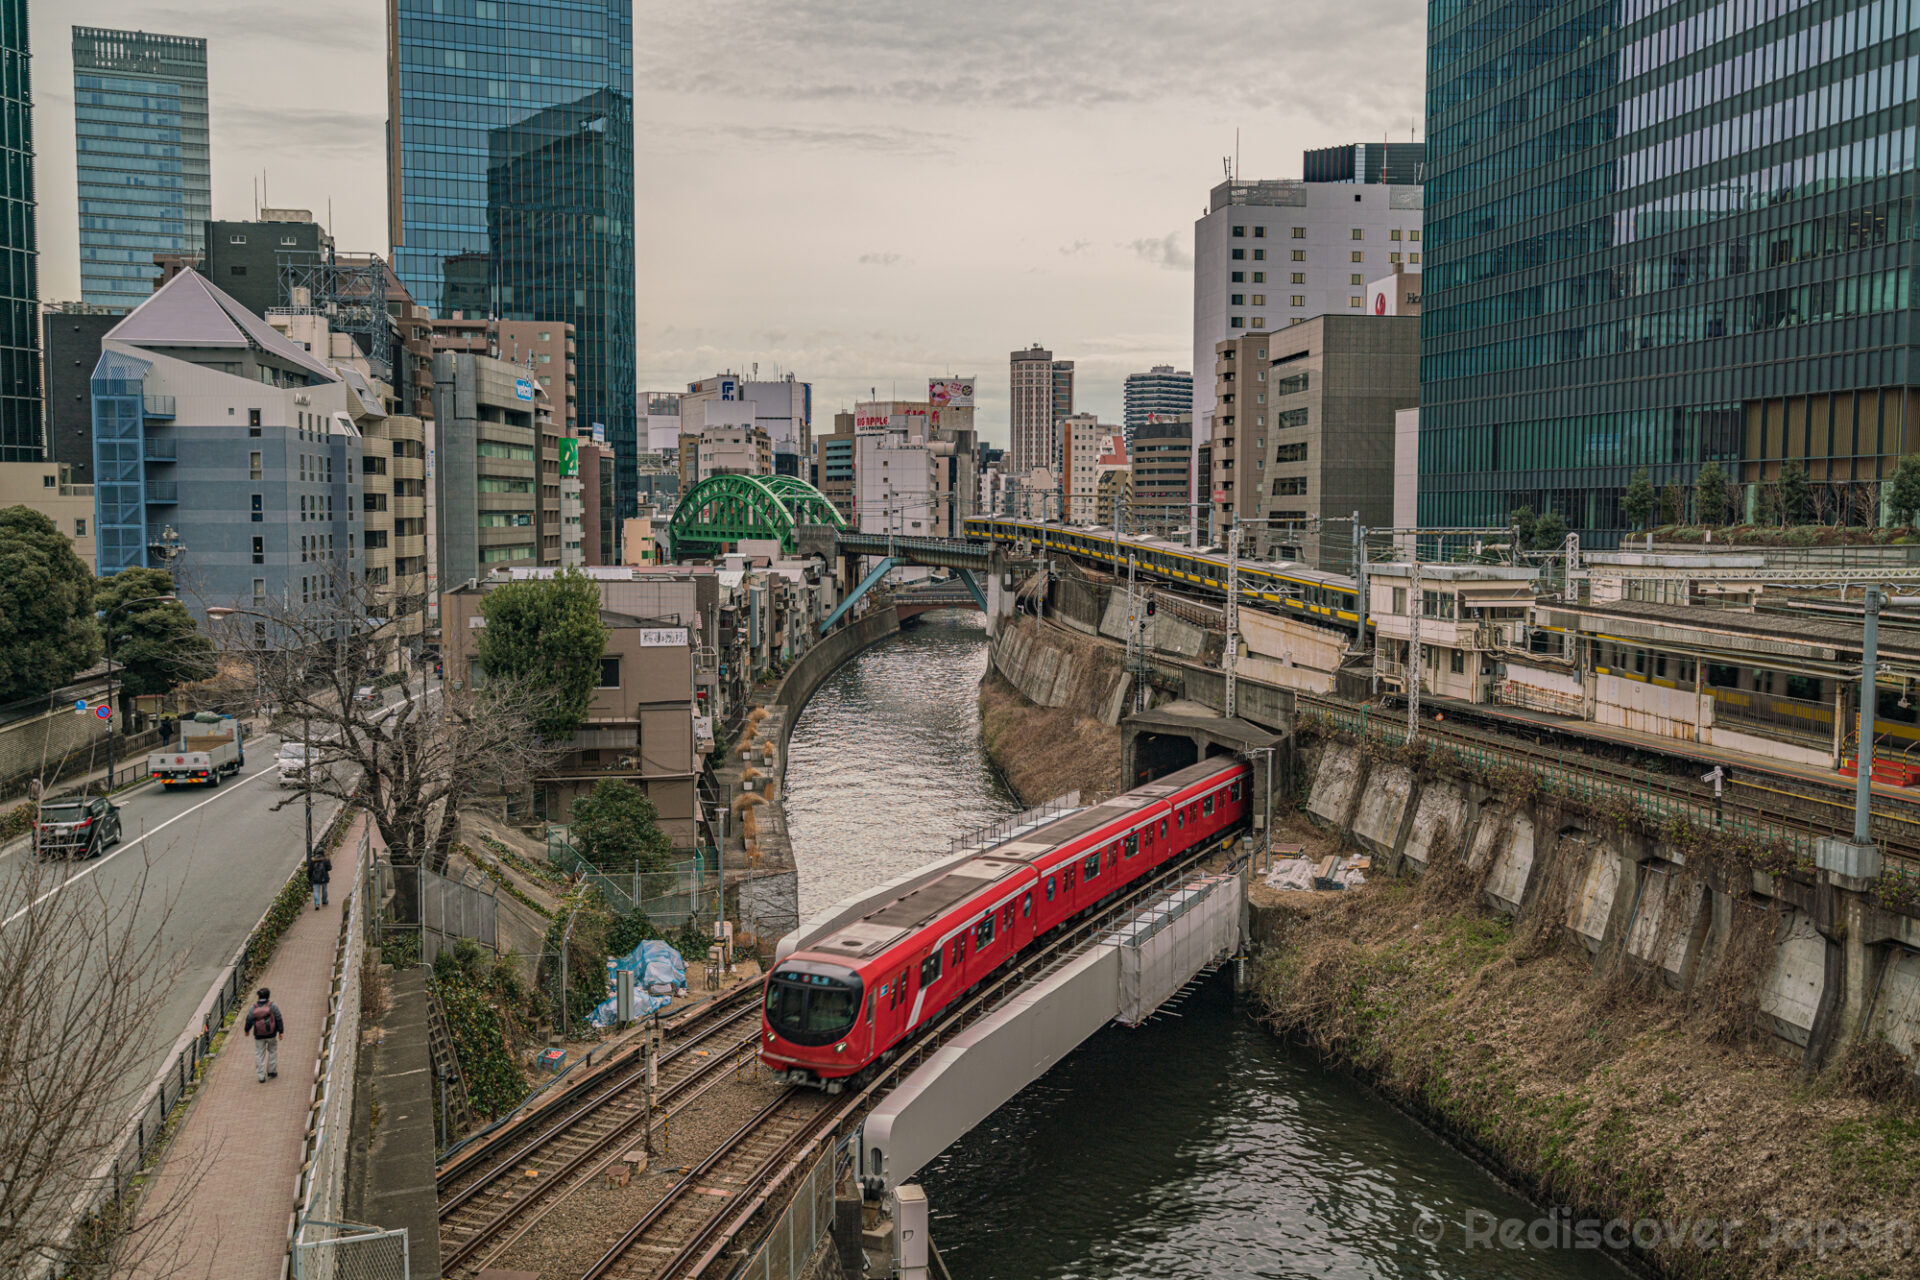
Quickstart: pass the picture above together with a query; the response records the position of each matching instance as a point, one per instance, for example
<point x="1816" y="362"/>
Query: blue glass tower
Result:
<point x="140" y="142"/>
<point x="1662" y="233"/>
<point x="510" y="180"/>
<point x="19" y="259"/>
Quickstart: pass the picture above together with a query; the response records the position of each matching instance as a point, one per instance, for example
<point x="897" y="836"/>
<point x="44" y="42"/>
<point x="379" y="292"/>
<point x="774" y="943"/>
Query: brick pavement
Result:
<point x="242" y="1140"/>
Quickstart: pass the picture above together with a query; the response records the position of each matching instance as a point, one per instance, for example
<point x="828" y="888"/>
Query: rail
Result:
<point x="1001" y="829"/>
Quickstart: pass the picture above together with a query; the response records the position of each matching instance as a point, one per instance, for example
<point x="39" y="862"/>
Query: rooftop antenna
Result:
<point x="256" y="199"/>
<point x="1236" y="155"/>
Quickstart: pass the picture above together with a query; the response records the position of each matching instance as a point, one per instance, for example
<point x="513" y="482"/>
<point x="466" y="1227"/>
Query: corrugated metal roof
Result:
<point x="188" y="311"/>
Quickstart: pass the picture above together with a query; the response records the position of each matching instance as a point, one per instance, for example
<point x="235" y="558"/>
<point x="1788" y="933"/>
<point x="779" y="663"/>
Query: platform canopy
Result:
<point x="722" y="510"/>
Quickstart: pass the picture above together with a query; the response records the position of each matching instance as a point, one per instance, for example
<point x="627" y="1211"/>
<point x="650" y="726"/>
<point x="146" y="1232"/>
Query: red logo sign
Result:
<point x="1379" y="304"/>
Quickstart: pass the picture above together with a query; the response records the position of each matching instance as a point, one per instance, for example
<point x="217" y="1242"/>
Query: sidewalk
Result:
<point x="243" y="1141"/>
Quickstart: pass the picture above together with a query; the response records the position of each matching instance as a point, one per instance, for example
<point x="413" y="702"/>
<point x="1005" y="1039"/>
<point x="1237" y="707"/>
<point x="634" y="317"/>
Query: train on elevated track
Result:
<point x="847" y="1002"/>
<point x="1287" y="586"/>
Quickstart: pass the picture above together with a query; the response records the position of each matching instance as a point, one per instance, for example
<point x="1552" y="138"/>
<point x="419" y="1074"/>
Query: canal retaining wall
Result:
<point x="1833" y="970"/>
<point x="1050" y="707"/>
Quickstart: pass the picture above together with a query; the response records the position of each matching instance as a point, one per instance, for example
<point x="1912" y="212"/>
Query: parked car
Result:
<point x="76" y="828"/>
<point x="368" y="696"/>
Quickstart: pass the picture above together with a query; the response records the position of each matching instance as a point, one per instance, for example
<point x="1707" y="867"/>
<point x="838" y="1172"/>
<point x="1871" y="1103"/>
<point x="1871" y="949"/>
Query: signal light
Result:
<point x="1149" y="606"/>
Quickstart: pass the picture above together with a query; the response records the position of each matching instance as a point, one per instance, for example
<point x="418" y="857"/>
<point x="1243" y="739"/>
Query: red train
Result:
<point x="850" y="999"/>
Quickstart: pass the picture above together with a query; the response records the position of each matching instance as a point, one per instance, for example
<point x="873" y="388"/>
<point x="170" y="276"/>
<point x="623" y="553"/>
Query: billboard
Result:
<point x="569" y="457"/>
<point x="599" y="433"/>
<point x="523" y="388"/>
<point x="950" y="393"/>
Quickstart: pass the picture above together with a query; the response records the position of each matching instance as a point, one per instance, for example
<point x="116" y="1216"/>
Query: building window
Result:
<point x="236" y="239"/>
<point x="259" y="590"/>
<point x="1391" y="235"/>
<point x="1259" y="233"/>
<point x="1399" y="599"/>
<point x="1299" y="277"/>
<point x="1356" y="302"/>
<point x="1358" y="256"/>
<point x="1299" y="255"/>
<point x="236" y="271"/>
<point x="79" y="527"/>
<point x="253" y="417"/>
<point x="259" y="549"/>
<point x="1239" y="277"/>
<point x="1240" y="231"/>
<point x="1259" y="322"/>
<point x="1457" y="661"/>
<point x="1259" y="299"/>
<point x="1356" y="278"/>
<point x="1393" y="257"/>
<point x="1414" y="258"/>
<point x="1239" y="300"/>
<point x="1414" y="234"/>
<point x="1238" y="322"/>
<point x="1259" y="255"/>
<point x="1239" y="255"/>
<point x="1297" y="300"/>
<point x="1299" y="233"/>
<point x="253" y="465"/>
<point x="259" y="509"/>
<point x="253" y="431"/>
<point x="1359" y="234"/>
<point x="609" y="673"/>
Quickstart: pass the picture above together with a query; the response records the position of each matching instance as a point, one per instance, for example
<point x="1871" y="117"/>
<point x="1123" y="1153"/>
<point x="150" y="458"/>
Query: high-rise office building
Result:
<point x="1041" y="395"/>
<point x="1161" y="389"/>
<point x="1271" y="254"/>
<point x="145" y="168"/>
<point x="1697" y="252"/>
<point x="19" y="259"/>
<point x="510" y="181"/>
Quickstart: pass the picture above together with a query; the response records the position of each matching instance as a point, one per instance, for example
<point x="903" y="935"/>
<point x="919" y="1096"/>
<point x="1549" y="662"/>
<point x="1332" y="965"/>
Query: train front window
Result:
<point x="812" y="1008"/>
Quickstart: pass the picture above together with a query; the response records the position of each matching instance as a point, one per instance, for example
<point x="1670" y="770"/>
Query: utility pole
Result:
<point x="1233" y="614"/>
<point x="1360" y="601"/>
<point x="1414" y="660"/>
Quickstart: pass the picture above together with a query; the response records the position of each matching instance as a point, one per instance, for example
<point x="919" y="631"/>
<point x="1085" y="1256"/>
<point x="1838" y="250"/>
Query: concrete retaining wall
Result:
<point x="1839" y="968"/>
<point x="819" y="662"/>
<point x="1050" y="671"/>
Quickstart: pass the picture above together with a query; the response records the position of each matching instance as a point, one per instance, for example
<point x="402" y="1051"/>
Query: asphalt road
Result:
<point x="203" y="863"/>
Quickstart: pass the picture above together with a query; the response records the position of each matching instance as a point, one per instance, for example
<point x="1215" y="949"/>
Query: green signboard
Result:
<point x="569" y="456"/>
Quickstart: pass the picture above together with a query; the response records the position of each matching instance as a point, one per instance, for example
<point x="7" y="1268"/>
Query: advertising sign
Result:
<point x="729" y="389"/>
<point x="569" y="457"/>
<point x="950" y="393"/>
<point x="599" y="433"/>
<point x="662" y="637"/>
<point x="523" y="388"/>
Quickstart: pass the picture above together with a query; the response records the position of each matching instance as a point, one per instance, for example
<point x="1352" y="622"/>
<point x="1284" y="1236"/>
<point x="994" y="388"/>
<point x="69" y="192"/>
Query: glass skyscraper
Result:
<point x="510" y="181"/>
<point x="19" y="290"/>
<point x="1661" y="233"/>
<point x="140" y="143"/>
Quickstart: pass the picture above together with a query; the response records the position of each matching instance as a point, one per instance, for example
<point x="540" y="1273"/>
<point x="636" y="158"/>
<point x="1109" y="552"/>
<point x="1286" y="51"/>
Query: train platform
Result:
<point x="1746" y="763"/>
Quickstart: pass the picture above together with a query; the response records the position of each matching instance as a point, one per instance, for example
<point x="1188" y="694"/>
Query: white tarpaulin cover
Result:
<point x="1181" y="934"/>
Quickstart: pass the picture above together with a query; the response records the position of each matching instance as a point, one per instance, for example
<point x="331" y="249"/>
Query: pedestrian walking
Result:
<point x="266" y="1026"/>
<point x="319" y="871"/>
<point x="166" y="732"/>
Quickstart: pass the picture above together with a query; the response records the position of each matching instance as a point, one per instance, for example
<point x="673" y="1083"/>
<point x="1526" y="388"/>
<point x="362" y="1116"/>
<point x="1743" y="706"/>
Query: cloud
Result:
<point x="886" y="139"/>
<point x="1170" y="252"/>
<point x="880" y="259"/>
<point x="1075" y="249"/>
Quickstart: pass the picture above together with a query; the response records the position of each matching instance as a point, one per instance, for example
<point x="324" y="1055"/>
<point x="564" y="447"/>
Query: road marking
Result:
<point x="125" y="846"/>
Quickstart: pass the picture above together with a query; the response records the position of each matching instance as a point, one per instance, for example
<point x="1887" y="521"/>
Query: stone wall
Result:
<point x="1834" y="968"/>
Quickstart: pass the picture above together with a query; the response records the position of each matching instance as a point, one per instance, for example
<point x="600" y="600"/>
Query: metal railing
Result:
<point x="789" y="1245"/>
<point x="1001" y="829"/>
<point x="324" y="1247"/>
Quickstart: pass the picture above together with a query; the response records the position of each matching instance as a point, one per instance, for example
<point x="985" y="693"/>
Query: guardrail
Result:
<point x="991" y="833"/>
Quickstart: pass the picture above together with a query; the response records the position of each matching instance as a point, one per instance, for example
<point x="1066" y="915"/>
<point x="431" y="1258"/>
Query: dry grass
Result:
<point x="1608" y="1093"/>
<point x="1046" y="751"/>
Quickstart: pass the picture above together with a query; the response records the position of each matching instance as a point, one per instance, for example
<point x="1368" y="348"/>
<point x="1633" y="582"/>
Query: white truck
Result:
<point x="209" y="748"/>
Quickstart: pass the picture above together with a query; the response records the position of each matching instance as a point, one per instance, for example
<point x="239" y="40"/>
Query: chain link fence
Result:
<point x="796" y="1236"/>
<point x="678" y="893"/>
<point x="325" y="1248"/>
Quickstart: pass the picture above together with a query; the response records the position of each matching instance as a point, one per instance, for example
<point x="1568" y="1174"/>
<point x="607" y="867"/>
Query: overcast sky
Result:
<point x="864" y="193"/>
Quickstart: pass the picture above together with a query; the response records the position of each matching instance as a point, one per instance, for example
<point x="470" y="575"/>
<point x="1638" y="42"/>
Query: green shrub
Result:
<point x="495" y="1084"/>
<point x="16" y="821"/>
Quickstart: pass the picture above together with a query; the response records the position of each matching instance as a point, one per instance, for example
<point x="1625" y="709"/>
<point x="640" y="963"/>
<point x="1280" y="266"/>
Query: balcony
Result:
<point x="162" y="449"/>
<point x="158" y="407"/>
<point x="163" y="492"/>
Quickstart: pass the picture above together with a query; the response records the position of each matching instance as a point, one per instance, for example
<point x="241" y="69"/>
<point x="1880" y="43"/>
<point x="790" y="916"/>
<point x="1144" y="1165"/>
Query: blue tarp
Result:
<point x="659" y="974"/>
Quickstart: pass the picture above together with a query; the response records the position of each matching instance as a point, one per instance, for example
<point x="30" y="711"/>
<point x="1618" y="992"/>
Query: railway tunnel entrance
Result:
<point x="1168" y="738"/>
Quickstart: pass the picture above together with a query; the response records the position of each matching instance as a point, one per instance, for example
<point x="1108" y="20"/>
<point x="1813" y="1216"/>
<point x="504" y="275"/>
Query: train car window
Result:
<point x="870" y="1003"/>
<point x="1049" y="888"/>
<point x="1235" y="793"/>
<point x="1163" y="828"/>
<point x="1206" y="806"/>
<point x="959" y="949"/>
<point x="1006" y="916"/>
<point x="1091" y="866"/>
<point x="1180" y="819"/>
<point x="1026" y="904"/>
<point x="983" y="933"/>
<point x="1133" y="844"/>
<point x="930" y="970"/>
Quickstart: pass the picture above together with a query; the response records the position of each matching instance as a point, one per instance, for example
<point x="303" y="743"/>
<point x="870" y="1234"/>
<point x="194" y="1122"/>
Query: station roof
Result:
<point x="1791" y="636"/>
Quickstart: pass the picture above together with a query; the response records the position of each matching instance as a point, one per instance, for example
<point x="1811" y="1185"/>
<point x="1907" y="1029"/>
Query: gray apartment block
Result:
<point x="484" y="476"/>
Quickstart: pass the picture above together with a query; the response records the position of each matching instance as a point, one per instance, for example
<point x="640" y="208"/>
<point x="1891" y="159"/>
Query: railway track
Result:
<point x="706" y="1213"/>
<point x="495" y="1206"/>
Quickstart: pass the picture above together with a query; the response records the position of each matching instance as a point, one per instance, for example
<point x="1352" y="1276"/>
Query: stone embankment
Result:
<point x="1651" y="1026"/>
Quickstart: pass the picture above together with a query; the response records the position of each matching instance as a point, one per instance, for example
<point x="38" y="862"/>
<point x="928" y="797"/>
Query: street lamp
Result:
<point x="106" y="616"/>
<point x="216" y="613"/>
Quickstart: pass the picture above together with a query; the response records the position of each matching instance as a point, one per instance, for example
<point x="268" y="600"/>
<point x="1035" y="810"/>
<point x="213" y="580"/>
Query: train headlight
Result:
<point x="769" y="1037"/>
<point x="841" y="1047"/>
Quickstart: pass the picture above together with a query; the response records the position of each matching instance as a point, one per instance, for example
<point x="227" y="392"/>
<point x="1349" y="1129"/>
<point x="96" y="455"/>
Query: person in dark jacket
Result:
<point x="319" y="870"/>
<point x="266" y="1026"/>
<point x="166" y="733"/>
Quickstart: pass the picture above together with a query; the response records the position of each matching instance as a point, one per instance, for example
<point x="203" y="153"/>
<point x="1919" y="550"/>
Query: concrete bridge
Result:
<point x="986" y="574"/>
<point x="911" y="602"/>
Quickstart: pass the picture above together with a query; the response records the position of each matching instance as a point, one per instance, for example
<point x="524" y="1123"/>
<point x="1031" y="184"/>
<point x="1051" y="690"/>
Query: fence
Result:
<point x="677" y="894"/>
<point x="796" y="1235"/>
<point x="325" y="1248"/>
<point x="450" y="908"/>
<point x="1000" y="829"/>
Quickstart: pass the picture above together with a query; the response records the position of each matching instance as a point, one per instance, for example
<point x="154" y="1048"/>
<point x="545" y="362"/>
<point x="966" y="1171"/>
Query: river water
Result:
<point x="1198" y="1147"/>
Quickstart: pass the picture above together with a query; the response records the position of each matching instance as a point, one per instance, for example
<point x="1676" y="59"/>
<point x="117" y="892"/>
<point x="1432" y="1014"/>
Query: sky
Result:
<point x="867" y="195"/>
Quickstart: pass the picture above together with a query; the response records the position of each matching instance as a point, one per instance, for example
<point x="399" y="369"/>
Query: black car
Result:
<point x="76" y="828"/>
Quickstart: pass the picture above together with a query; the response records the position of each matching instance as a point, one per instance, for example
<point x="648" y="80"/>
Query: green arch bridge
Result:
<point x="724" y="509"/>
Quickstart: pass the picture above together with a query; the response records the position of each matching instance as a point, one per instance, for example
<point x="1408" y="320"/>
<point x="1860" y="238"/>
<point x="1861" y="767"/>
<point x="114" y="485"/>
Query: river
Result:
<point x="1198" y="1147"/>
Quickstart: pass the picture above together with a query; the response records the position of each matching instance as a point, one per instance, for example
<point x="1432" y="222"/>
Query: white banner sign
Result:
<point x="662" y="637"/>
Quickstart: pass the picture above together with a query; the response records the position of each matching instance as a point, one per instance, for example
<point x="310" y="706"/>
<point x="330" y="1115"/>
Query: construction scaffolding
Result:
<point x="351" y="292"/>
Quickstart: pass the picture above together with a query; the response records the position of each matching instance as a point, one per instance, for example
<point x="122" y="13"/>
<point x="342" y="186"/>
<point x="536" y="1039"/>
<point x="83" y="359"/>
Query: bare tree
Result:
<point x="411" y="764"/>
<point x="86" y="971"/>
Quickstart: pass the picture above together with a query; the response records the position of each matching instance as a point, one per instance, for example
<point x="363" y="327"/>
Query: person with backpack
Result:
<point x="266" y="1026"/>
<point x="319" y="870"/>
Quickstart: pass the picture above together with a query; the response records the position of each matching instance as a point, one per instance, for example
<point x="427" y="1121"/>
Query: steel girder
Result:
<point x="725" y="509"/>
